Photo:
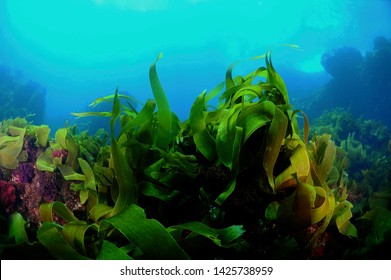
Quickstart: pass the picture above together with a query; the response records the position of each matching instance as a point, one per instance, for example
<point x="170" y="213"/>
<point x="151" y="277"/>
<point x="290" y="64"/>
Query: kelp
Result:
<point x="314" y="201"/>
<point x="248" y="108"/>
<point x="380" y="226"/>
<point x="150" y="237"/>
<point x="62" y="151"/>
<point x="144" y="187"/>
<point x="163" y="130"/>
<point x="17" y="229"/>
<point x="244" y="109"/>
<point x="203" y="140"/>
<point x="11" y="145"/>
<point x="144" y="234"/>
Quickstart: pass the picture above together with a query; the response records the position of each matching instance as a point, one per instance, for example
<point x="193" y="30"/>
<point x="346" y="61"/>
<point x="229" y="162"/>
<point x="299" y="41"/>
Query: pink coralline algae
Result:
<point x="45" y="187"/>
<point x="7" y="196"/>
<point x="30" y="148"/>
<point x="24" y="173"/>
<point x="60" y="154"/>
<point x="48" y="185"/>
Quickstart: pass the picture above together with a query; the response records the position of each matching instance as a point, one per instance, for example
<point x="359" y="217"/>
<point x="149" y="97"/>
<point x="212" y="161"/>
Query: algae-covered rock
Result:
<point x="360" y="83"/>
<point x="343" y="62"/>
<point x="20" y="97"/>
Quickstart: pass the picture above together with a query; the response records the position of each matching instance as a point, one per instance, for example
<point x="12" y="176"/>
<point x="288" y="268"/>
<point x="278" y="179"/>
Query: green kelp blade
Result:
<point x="8" y="161"/>
<point x="235" y="167"/>
<point x="142" y="117"/>
<point x="228" y="191"/>
<point x="74" y="233"/>
<point x="164" y="194"/>
<point x="150" y="236"/>
<point x="225" y="138"/>
<point x="229" y="234"/>
<point x="343" y="214"/>
<point x="214" y="92"/>
<point x="226" y="96"/>
<point x="61" y="136"/>
<point x="42" y="134"/>
<point x="50" y="236"/>
<point x="73" y="152"/>
<point x="306" y="126"/>
<point x="109" y="98"/>
<point x="12" y="148"/>
<point x="163" y="136"/>
<point x="4" y="139"/>
<point x="110" y="251"/>
<point x="127" y="193"/>
<point x="203" y="140"/>
<point x="318" y="147"/>
<point x="321" y="211"/>
<point x="221" y="237"/>
<point x="380" y="219"/>
<point x="69" y="174"/>
<point x="89" y="183"/>
<point x="99" y="211"/>
<point x="324" y="168"/>
<point x="253" y="117"/>
<point x="198" y="228"/>
<point x="88" y="186"/>
<point x="271" y="211"/>
<point x="275" y="79"/>
<point x="330" y="206"/>
<point x="304" y="202"/>
<point x="299" y="168"/>
<point x="16" y="131"/>
<point x="274" y="140"/>
<point x="185" y="163"/>
<point x="247" y="94"/>
<point x="17" y="228"/>
<point x="45" y="161"/>
<point x="228" y="76"/>
<point x="92" y="114"/>
<point x="230" y="83"/>
<point x="46" y="211"/>
<point x="294" y="211"/>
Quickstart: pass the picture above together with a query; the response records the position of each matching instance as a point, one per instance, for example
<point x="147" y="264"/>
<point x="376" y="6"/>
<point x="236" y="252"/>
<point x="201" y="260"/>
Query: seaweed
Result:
<point x="241" y="179"/>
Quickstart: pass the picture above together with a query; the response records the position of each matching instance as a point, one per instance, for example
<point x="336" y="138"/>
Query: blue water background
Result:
<point x="81" y="50"/>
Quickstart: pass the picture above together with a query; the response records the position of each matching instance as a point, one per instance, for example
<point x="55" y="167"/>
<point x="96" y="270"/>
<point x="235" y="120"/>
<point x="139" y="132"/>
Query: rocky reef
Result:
<point x="20" y="97"/>
<point x="360" y="83"/>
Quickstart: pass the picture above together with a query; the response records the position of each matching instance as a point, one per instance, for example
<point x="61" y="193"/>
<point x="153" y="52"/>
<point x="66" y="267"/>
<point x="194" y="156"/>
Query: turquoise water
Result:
<point x="244" y="175"/>
<point x="80" y="50"/>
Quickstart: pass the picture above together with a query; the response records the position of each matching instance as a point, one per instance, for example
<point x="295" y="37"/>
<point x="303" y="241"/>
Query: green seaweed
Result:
<point x="11" y="145"/>
<point x="127" y="191"/>
<point x="153" y="240"/>
<point x="159" y="184"/>
<point x="380" y="219"/>
<point x="163" y="130"/>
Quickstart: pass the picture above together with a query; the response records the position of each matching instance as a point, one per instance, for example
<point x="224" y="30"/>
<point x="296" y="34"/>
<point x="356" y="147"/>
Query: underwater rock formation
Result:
<point x="20" y="98"/>
<point x="342" y="63"/>
<point x="360" y="83"/>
